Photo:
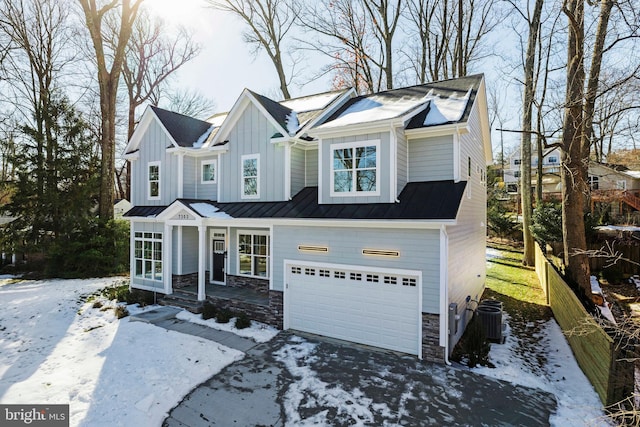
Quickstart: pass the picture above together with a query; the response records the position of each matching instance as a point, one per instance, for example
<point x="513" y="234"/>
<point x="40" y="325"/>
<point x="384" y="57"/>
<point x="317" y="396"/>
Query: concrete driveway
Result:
<point x="294" y="380"/>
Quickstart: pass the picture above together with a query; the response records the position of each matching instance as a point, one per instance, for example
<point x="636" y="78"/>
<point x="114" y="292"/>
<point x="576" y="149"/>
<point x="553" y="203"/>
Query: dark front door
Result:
<point x="218" y="260"/>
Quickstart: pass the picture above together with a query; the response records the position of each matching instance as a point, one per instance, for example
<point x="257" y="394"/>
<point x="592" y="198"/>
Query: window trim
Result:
<point x="253" y="233"/>
<point x="204" y="163"/>
<point x="159" y="165"/>
<point x="139" y="236"/>
<point x="243" y="158"/>
<point x="353" y="145"/>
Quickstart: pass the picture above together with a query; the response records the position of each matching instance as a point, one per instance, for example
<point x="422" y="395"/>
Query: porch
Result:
<point x="214" y="292"/>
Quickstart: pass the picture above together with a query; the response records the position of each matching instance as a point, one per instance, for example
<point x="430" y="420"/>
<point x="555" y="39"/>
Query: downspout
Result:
<point x="444" y="291"/>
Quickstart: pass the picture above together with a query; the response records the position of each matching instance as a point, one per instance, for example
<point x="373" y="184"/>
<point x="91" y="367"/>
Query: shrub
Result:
<point x="547" y="223"/>
<point x="97" y="304"/>
<point x="223" y="316"/>
<point x="209" y="311"/>
<point x="499" y="221"/>
<point x="473" y="345"/>
<point x="243" y="322"/>
<point x="121" y="311"/>
<point x="120" y="293"/>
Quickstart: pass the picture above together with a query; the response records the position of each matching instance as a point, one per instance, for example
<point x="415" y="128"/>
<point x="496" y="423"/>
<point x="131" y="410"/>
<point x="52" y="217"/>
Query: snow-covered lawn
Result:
<point x="56" y="348"/>
<point x="259" y="332"/>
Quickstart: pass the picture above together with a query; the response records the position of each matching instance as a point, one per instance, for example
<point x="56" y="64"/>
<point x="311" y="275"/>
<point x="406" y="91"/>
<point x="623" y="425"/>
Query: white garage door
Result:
<point x="379" y="308"/>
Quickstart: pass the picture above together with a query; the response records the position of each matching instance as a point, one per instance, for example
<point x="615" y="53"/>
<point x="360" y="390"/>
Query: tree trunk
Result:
<point x="525" y="176"/>
<point x="574" y="161"/>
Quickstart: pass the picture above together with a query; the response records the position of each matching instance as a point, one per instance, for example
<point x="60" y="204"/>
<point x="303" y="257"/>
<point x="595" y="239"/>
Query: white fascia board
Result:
<point x="485" y="127"/>
<point x="269" y="222"/>
<point x="441" y="130"/>
<point x="192" y="152"/>
<point x="232" y="118"/>
<point x="139" y="131"/>
<point x="174" y="208"/>
<point x="142" y="219"/>
<point x="358" y="128"/>
<point x="132" y="156"/>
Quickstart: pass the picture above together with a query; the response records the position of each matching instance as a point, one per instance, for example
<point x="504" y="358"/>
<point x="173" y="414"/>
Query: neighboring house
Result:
<point x="361" y="218"/>
<point x="120" y="207"/>
<point x="550" y="171"/>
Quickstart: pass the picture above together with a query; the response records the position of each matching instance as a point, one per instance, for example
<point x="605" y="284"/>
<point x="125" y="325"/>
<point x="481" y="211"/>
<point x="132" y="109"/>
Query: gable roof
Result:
<point x="185" y="130"/>
<point x="431" y="104"/>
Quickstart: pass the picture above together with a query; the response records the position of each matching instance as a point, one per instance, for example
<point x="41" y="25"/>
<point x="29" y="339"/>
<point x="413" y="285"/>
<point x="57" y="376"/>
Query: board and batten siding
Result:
<point x="189" y="177"/>
<point x="153" y="147"/>
<point x="419" y="250"/>
<point x="311" y="168"/>
<point x="297" y="170"/>
<point x="189" y="250"/>
<point x="382" y="180"/>
<point x="206" y="191"/>
<point x="431" y="159"/>
<point x="251" y="134"/>
<point x="402" y="161"/>
<point x="467" y="239"/>
<point x="148" y="227"/>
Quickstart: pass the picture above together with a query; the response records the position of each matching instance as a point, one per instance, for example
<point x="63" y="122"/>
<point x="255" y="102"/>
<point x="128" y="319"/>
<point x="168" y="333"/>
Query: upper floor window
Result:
<point x="553" y="160"/>
<point x="594" y="182"/>
<point x="354" y="168"/>
<point x="153" y="180"/>
<point x="251" y="176"/>
<point x="209" y="172"/>
<point x="517" y="161"/>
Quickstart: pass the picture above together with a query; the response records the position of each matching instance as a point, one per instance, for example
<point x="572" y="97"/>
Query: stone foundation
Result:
<point x="180" y="281"/>
<point x="431" y="349"/>
<point x="271" y="314"/>
<point x="258" y="285"/>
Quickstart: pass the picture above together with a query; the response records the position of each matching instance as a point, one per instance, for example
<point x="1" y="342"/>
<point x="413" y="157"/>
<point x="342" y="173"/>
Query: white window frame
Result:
<point x="139" y="253"/>
<point x="253" y="256"/>
<point x="204" y="163"/>
<point x="621" y="184"/>
<point x="149" y="181"/>
<point x="353" y="146"/>
<point x="594" y="182"/>
<point x="245" y="157"/>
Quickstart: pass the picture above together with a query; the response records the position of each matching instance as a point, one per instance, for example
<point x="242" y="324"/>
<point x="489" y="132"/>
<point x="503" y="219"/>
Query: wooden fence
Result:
<point x="595" y="351"/>
<point x="597" y="263"/>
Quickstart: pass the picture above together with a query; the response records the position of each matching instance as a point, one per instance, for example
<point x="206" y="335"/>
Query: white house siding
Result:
<point x="251" y="135"/>
<point x="467" y="239"/>
<point x="153" y="147"/>
<point x="431" y="159"/>
<point x="147" y="227"/>
<point x="401" y="160"/>
<point x="189" y="250"/>
<point x="189" y="177"/>
<point x="384" y="170"/>
<point x="311" y="168"/>
<point x="419" y="250"/>
<point x="205" y="191"/>
<point x="297" y="170"/>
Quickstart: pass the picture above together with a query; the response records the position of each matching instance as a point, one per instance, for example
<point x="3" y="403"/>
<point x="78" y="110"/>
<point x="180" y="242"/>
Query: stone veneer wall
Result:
<point x="431" y="349"/>
<point x="271" y="314"/>
<point x="258" y="285"/>
<point x="180" y="281"/>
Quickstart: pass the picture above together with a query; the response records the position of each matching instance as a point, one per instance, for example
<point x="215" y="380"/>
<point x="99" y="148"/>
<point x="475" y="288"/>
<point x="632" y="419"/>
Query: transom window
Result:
<point x="354" y="168"/>
<point x="253" y="254"/>
<point x="209" y="172"/>
<point x="251" y="176"/>
<point x="148" y="255"/>
<point x="153" y="179"/>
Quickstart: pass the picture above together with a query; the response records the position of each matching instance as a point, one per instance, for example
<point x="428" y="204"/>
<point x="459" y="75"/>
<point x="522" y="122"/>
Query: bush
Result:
<point x="119" y="293"/>
<point x="546" y="224"/>
<point x="499" y="221"/>
<point x="209" y="311"/>
<point x="121" y="311"/>
<point x="97" y="304"/>
<point x="223" y="316"/>
<point x="473" y="346"/>
<point x="243" y="322"/>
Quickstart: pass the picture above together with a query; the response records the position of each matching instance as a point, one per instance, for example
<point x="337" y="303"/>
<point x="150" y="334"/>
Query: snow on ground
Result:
<point x="578" y="402"/>
<point x="56" y="348"/>
<point x="259" y="332"/>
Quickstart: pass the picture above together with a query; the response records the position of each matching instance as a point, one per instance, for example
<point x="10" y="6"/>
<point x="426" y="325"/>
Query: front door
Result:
<point x="218" y="255"/>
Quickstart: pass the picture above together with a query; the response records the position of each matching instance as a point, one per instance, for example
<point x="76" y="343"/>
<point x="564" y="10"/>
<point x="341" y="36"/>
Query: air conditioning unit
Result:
<point x="489" y="313"/>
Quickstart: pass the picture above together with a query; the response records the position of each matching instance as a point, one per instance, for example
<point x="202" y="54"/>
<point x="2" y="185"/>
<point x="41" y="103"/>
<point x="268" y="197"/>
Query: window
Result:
<point x="310" y="271"/>
<point x="553" y="160"/>
<point x="208" y="172"/>
<point x="373" y="278"/>
<point x="409" y="281"/>
<point x="621" y="185"/>
<point x="148" y="256"/>
<point x="253" y="254"/>
<point x="296" y="270"/>
<point x="517" y="162"/>
<point x="355" y="276"/>
<point x="339" y="274"/>
<point x="251" y="176"/>
<point x="469" y="167"/>
<point x="153" y="179"/>
<point x="594" y="182"/>
<point x="516" y="174"/>
<point x="354" y="168"/>
<point x="325" y="273"/>
<point x="390" y="280"/>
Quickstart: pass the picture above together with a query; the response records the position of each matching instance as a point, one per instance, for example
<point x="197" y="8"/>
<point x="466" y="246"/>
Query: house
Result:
<point x="550" y="171"/>
<point x="120" y="207"/>
<point x="361" y="218"/>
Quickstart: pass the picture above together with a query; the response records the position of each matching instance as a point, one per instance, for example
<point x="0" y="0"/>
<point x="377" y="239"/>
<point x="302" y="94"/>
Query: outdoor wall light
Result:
<point x="381" y="252"/>
<point x="312" y="248"/>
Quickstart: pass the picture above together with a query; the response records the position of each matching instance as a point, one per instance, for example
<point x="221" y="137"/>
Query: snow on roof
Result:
<point x="374" y="108"/>
<point x="203" y="137"/>
<point x="443" y="110"/>
<point x="311" y="102"/>
<point x="292" y="123"/>
<point x="209" y="211"/>
<point x="217" y="119"/>
<point x="633" y="174"/>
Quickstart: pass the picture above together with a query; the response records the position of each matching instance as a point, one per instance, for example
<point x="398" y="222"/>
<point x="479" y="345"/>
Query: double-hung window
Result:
<point x="253" y="254"/>
<point x="251" y="176"/>
<point x="153" y="180"/>
<point x="208" y="172"/>
<point x="148" y="255"/>
<point x="355" y="168"/>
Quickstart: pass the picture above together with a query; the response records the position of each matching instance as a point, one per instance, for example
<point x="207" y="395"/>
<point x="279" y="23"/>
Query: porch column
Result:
<point x="202" y="257"/>
<point x="167" y="259"/>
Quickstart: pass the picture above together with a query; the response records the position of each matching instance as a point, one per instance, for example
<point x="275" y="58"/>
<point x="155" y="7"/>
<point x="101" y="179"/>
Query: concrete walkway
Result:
<point x="165" y="317"/>
<point x="325" y="382"/>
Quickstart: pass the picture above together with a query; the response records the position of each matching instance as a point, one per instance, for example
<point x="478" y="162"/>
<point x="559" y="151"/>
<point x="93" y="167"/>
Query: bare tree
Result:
<point x="190" y="103"/>
<point x="384" y="16"/>
<point x="109" y="63"/>
<point x="268" y="22"/>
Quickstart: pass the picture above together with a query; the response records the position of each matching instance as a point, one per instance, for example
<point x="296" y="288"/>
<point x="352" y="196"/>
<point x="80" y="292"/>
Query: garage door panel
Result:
<point x="360" y="306"/>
